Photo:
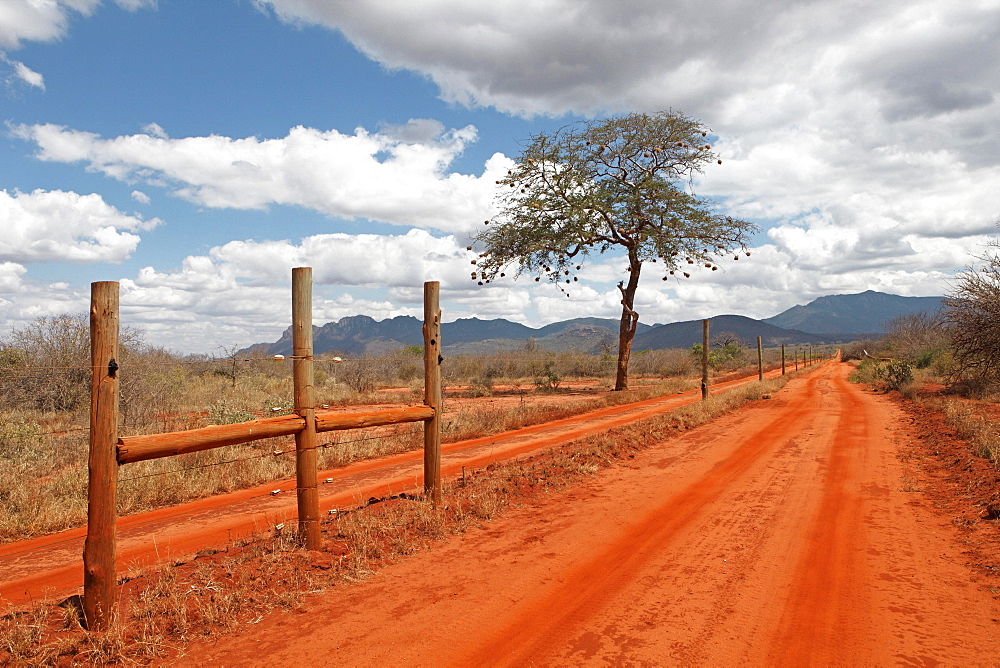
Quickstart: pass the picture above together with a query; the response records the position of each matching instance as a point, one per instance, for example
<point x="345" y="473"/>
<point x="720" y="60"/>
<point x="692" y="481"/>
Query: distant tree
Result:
<point x="723" y="339"/>
<point x="972" y="311"/>
<point x="55" y="351"/>
<point x="919" y="338"/>
<point x="615" y="183"/>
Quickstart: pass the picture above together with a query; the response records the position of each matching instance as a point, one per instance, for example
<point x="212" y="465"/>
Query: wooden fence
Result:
<point x="108" y="452"/>
<point x="705" y="326"/>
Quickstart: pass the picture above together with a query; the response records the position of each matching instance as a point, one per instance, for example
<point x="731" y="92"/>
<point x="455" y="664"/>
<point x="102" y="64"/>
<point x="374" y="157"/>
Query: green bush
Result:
<point x="897" y="374"/>
<point x="548" y="380"/>
<point x="890" y="374"/>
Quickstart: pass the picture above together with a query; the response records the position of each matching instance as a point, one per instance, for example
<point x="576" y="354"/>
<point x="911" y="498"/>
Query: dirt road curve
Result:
<point x="51" y="566"/>
<point x="782" y="534"/>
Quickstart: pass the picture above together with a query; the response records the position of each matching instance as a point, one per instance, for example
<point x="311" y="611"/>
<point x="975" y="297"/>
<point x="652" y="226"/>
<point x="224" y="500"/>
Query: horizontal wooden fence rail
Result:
<point x="154" y="446"/>
<point x="108" y="451"/>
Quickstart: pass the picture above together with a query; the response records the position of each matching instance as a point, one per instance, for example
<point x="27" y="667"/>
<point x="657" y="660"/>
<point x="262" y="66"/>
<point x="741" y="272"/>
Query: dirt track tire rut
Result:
<point x="777" y="535"/>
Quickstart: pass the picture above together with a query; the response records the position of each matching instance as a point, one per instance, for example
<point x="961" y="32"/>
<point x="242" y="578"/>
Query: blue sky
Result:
<point x="197" y="151"/>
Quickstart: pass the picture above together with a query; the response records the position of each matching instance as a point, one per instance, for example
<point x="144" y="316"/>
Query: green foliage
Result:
<point x="890" y="374"/>
<point x="898" y="374"/>
<point x="277" y="406"/>
<point x="223" y="412"/>
<point x="548" y="380"/>
<point x="615" y="183"/>
<point x="726" y="355"/>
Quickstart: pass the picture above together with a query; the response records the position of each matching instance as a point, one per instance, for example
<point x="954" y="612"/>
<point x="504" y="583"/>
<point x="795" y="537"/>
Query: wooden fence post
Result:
<point x="760" y="361"/>
<point x="306" y="471"/>
<point x="782" y="359"/>
<point x="704" y="359"/>
<point x="432" y="391"/>
<point x="100" y="549"/>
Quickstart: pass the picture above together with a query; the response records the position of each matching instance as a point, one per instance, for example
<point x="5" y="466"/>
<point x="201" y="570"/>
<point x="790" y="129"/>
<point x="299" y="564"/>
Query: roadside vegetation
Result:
<point x="947" y="362"/>
<point x="44" y="410"/>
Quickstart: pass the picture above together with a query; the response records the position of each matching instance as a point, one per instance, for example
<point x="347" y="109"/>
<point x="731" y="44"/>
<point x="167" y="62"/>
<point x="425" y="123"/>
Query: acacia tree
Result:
<point x="619" y="183"/>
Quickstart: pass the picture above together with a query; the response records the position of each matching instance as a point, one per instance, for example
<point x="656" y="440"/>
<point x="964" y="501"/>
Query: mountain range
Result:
<point x="829" y="319"/>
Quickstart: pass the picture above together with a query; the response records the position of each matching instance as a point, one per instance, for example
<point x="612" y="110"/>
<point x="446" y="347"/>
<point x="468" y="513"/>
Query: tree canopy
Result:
<point x="618" y="183"/>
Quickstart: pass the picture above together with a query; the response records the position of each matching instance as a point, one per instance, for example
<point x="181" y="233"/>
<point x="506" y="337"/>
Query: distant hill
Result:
<point x="831" y="319"/>
<point x="577" y="336"/>
<point x="865" y="313"/>
<point x="686" y="334"/>
<point x="363" y="335"/>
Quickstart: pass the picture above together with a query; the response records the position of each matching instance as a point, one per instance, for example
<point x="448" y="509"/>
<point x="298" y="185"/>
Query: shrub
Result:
<point x="972" y="312"/>
<point x="897" y="374"/>
<point x="891" y="374"/>
<point x="548" y="380"/>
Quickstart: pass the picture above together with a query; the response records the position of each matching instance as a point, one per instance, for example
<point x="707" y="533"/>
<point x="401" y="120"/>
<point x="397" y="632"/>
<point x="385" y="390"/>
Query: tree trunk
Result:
<point x="626" y="330"/>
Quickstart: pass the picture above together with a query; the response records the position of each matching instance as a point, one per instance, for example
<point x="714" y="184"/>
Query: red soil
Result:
<point x="50" y="566"/>
<point x="793" y="532"/>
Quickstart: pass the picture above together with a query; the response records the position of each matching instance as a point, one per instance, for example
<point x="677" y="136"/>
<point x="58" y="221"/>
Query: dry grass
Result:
<point x="165" y="609"/>
<point x="981" y="432"/>
<point x="36" y="446"/>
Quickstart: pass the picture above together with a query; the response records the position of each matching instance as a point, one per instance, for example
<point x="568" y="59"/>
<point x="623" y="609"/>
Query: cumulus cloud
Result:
<point x="398" y="176"/>
<point x="10" y="277"/>
<point x="353" y="260"/>
<point x="590" y="56"/>
<point x="46" y="226"/>
<point x="47" y="20"/>
<point x="878" y="119"/>
<point x="238" y="293"/>
<point x="25" y="74"/>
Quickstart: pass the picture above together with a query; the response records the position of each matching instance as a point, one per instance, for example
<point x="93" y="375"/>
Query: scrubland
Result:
<point x="44" y="386"/>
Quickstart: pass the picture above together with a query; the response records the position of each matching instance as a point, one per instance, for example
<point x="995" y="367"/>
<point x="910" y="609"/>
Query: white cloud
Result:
<point x="874" y="121"/>
<point x="10" y="277"/>
<point x="32" y="300"/>
<point x="135" y="5"/>
<point x="140" y="197"/>
<point x="590" y="56"/>
<point x="368" y="260"/>
<point x="47" y="20"/>
<point x="47" y="226"/>
<point x="398" y="176"/>
<point x="27" y="75"/>
<point x="238" y="293"/>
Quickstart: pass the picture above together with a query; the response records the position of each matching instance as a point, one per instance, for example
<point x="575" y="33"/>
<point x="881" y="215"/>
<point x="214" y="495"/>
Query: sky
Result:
<point x="197" y="151"/>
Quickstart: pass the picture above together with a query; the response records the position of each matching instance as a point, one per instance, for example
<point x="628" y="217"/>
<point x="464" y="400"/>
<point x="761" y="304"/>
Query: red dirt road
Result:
<point x="51" y="566"/>
<point x="782" y="534"/>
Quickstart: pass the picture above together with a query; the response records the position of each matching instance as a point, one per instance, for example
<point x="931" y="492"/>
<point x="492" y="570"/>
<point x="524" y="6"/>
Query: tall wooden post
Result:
<point x="796" y="359"/>
<point x="782" y="359"/>
<point x="704" y="359"/>
<point x="432" y="391"/>
<point x="100" y="549"/>
<point x="306" y="470"/>
<point x="760" y="361"/>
